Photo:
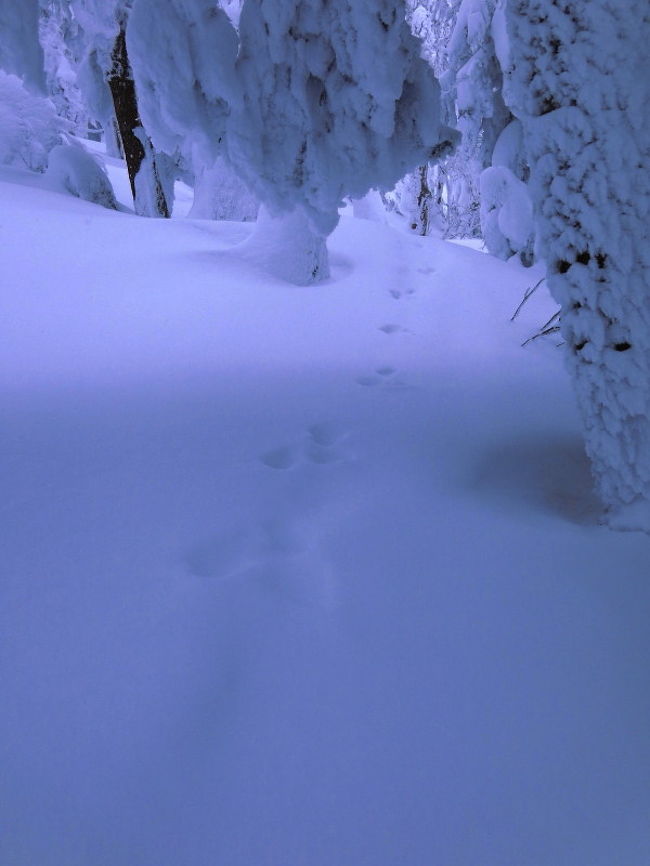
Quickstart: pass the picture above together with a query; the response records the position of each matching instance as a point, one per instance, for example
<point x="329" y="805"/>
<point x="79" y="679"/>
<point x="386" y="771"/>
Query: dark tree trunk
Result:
<point x="424" y="201"/>
<point x="138" y="150"/>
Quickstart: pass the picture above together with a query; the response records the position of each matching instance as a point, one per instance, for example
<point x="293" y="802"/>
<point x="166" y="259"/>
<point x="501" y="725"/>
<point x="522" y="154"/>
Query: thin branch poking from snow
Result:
<point x="529" y="291"/>
<point x="542" y="333"/>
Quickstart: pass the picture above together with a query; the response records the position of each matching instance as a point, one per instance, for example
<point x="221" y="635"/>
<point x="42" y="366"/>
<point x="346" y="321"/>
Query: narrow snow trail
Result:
<point x="301" y="576"/>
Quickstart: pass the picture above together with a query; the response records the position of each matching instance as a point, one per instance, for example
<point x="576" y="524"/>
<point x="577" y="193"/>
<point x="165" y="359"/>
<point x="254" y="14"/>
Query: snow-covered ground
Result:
<point x="301" y="576"/>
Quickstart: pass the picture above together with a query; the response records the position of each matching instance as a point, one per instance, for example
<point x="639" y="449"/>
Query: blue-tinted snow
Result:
<point x="284" y="586"/>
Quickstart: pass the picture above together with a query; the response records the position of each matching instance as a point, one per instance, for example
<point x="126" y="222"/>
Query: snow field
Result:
<point x="301" y="576"/>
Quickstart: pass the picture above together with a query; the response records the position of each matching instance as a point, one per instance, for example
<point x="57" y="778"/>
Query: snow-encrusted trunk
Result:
<point x="577" y="79"/>
<point x="414" y="199"/>
<point x="287" y="246"/>
<point x="147" y="185"/>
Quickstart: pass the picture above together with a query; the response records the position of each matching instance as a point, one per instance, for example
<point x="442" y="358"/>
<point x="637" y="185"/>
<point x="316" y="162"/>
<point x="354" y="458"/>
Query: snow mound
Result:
<point x="29" y="126"/>
<point x="73" y="169"/>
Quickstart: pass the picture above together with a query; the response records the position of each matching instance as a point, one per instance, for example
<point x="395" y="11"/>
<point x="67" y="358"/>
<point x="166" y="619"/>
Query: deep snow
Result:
<point x="301" y="577"/>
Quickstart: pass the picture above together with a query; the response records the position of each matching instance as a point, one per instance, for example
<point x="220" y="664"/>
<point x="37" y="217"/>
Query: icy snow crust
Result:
<point x="301" y="576"/>
<point x="578" y="79"/>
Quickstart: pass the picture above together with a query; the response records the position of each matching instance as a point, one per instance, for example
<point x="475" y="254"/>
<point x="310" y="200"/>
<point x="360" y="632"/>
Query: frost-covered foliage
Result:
<point x="506" y="206"/>
<point x="182" y="54"/>
<point x="29" y="126"/>
<point x="472" y="85"/>
<point x="575" y="78"/>
<point x="506" y="214"/>
<point x="432" y="21"/>
<point x="61" y="39"/>
<point x="186" y="87"/>
<point x="322" y="119"/>
<point x="458" y="46"/>
<point x="20" y="50"/>
<point x="418" y="196"/>
<point x="99" y="24"/>
<point x="472" y="81"/>
<point x="73" y="170"/>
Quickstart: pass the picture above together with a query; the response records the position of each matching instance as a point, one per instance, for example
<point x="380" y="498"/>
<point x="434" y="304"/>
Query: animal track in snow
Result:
<point x="322" y="443"/>
<point x="397" y="294"/>
<point x="390" y="328"/>
<point x="368" y="381"/>
<point x="280" y="556"/>
<point x="386" y="379"/>
<point x="319" y="446"/>
<point x="280" y="458"/>
<point x="325" y="433"/>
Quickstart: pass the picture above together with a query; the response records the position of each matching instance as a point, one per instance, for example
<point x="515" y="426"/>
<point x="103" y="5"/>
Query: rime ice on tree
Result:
<point x="577" y="78"/>
<point x="336" y="101"/>
<point x="183" y="58"/>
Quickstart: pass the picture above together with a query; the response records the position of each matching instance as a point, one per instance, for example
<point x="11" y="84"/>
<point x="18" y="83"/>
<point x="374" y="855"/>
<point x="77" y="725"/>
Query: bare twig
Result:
<point x="542" y="333"/>
<point x="529" y="291"/>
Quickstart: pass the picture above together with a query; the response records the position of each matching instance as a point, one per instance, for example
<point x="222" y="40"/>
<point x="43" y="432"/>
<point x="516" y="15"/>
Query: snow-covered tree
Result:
<point x="472" y="87"/>
<point x="576" y="76"/>
<point x="29" y="126"/>
<point x="106" y="62"/>
<point x="183" y="56"/>
<point x="421" y="195"/>
<point x="322" y="119"/>
<point x="62" y="42"/>
<point x="20" y="49"/>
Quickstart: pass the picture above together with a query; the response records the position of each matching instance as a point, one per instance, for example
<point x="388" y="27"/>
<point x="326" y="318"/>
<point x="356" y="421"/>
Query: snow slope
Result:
<point x="301" y="577"/>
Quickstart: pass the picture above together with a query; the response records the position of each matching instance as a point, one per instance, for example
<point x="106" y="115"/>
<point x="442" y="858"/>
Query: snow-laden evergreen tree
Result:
<point x="106" y="62"/>
<point x="20" y="49"/>
<point x="29" y="125"/>
<point x="323" y="118"/>
<point x="62" y="42"/>
<point x="577" y="77"/>
<point x="421" y="196"/>
<point x="484" y="181"/>
<point x="183" y="56"/>
<point x="32" y="134"/>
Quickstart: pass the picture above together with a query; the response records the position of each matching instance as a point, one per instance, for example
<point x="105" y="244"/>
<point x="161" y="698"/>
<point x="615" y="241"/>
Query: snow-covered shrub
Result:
<point x="74" y="170"/>
<point x="321" y="118"/>
<point x="575" y="78"/>
<point x="29" y="126"/>
<point x="506" y="214"/>
<point x="20" y="50"/>
<point x="506" y="207"/>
